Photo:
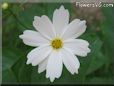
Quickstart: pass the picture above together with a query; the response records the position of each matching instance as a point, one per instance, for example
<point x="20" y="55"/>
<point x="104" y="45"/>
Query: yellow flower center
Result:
<point x="56" y="43"/>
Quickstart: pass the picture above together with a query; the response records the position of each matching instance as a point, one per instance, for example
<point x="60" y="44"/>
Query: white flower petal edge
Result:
<point x="54" y="66"/>
<point x="70" y="61"/>
<point x="60" y="19"/>
<point x="74" y="29"/>
<point x="42" y="66"/>
<point x="37" y="55"/>
<point x="77" y="46"/>
<point x="33" y="38"/>
<point x="44" y="26"/>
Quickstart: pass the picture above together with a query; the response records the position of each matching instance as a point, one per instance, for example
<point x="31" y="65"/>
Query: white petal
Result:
<point x="42" y="66"/>
<point x="44" y="26"/>
<point x="54" y="66"/>
<point x="70" y="61"/>
<point x="37" y="55"/>
<point x="74" y="29"/>
<point x="33" y="38"/>
<point x="60" y="19"/>
<point x="77" y="46"/>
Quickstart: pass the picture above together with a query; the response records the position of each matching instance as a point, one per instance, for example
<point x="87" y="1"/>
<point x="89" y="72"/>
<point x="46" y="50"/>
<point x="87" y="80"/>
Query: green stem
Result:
<point x="17" y="19"/>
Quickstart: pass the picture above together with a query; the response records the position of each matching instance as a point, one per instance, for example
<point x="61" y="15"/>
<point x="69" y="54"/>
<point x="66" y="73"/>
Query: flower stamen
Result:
<point x="56" y="43"/>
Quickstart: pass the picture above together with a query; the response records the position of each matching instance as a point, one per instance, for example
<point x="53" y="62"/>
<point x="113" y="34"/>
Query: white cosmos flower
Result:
<point x="56" y="43"/>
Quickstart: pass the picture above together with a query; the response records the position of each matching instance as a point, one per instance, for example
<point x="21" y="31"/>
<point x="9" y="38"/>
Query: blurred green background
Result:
<point x="96" y="68"/>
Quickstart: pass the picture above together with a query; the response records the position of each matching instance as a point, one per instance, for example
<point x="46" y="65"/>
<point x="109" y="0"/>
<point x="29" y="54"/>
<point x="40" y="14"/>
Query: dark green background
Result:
<point x="96" y="68"/>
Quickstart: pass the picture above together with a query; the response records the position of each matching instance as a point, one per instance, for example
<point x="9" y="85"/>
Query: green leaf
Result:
<point x="37" y="78"/>
<point x="21" y="70"/>
<point x="8" y="77"/>
<point x="107" y="31"/>
<point x="96" y="56"/>
<point x="100" y="80"/>
<point x="9" y="58"/>
<point x="88" y="64"/>
<point x="24" y="74"/>
<point x="26" y="16"/>
<point x="97" y="62"/>
<point x="107" y="28"/>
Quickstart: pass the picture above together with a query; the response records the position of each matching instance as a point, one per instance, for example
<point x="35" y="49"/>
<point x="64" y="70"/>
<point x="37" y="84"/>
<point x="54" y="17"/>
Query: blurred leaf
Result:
<point x="9" y="58"/>
<point x="108" y="13"/>
<point x="8" y="77"/>
<point x="95" y="46"/>
<point x="87" y="65"/>
<point x="26" y="16"/>
<point x="100" y="80"/>
<point x="37" y="78"/>
<point x="39" y="10"/>
<point x="97" y="61"/>
<point x="107" y="28"/>
<point x="24" y="72"/>
<point x="97" y="58"/>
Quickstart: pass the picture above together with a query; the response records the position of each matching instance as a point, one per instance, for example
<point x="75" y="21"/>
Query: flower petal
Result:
<point x="60" y="19"/>
<point x="33" y="38"/>
<point x="54" y="66"/>
<point x="77" y="46"/>
<point x="74" y="29"/>
<point x="37" y="55"/>
<point x="44" y="26"/>
<point x="70" y="61"/>
<point x="42" y="65"/>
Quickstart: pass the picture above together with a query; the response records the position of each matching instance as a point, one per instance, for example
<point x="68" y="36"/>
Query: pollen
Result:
<point x="56" y="43"/>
